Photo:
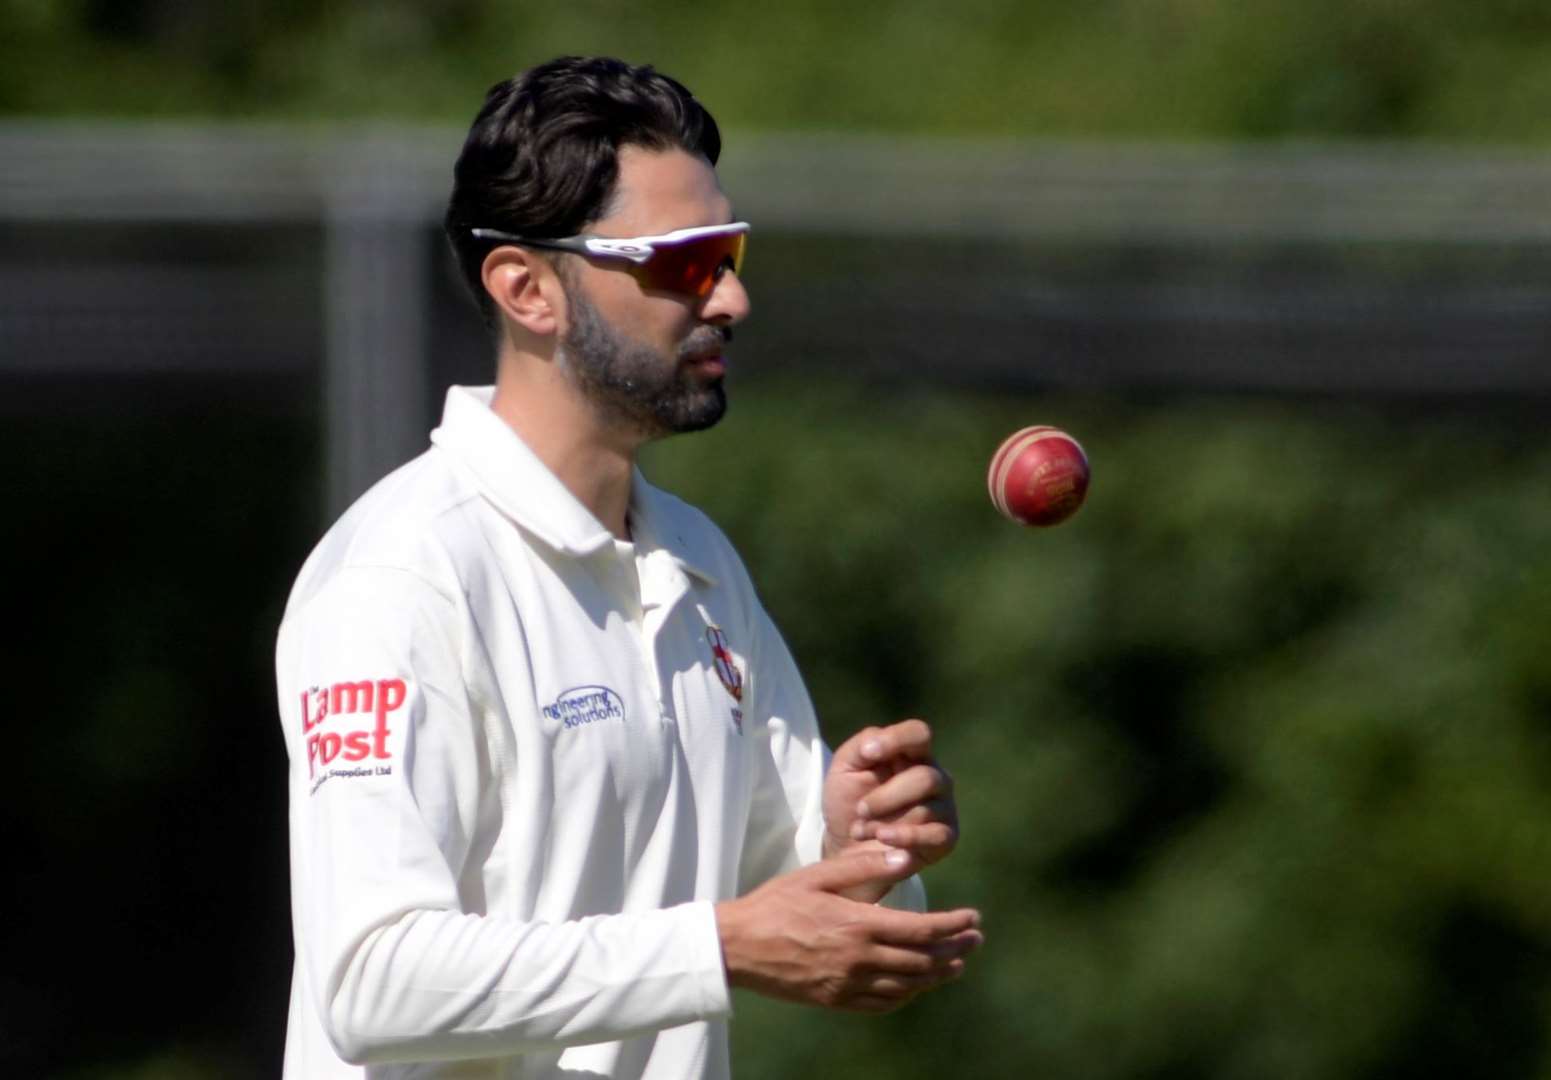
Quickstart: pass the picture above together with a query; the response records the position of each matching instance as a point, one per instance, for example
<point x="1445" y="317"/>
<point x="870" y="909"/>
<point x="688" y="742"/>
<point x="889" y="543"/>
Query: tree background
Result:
<point x="1252" y="754"/>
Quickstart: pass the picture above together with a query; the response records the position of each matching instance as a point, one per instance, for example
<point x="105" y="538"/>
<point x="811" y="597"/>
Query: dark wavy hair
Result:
<point x="542" y="157"/>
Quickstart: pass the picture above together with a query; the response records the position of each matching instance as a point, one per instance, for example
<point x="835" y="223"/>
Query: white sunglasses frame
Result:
<point x="636" y="249"/>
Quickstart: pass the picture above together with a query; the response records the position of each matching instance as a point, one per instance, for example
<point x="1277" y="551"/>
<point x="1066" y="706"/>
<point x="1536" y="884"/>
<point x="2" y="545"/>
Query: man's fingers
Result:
<point x="931" y="838"/>
<point x="885" y="993"/>
<point x="847" y="871"/>
<point x="925" y="959"/>
<point x="915" y="785"/>
<point x="920" y="814"/>
<point x="922" y="929"/>
<point x="902" y="961"/>
<point x="908" y="986"/>
<point x="871" y="746"/>
<point x="959" y="945"/>
<point x="853" y="753"/>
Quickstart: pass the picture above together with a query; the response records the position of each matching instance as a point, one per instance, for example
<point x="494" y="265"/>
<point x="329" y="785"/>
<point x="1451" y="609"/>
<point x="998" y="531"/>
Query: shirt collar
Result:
<point x="660" y="522"/>
<point x="521" y="486"/>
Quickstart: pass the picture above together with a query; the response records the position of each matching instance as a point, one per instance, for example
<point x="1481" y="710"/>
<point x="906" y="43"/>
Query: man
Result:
<point x="555" y="782"/>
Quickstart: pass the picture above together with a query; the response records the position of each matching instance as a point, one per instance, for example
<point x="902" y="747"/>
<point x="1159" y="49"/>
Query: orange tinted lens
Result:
<point x="694" y="266"/>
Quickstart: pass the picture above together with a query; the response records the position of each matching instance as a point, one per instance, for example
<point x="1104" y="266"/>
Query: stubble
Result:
<point x="636" y="386"/>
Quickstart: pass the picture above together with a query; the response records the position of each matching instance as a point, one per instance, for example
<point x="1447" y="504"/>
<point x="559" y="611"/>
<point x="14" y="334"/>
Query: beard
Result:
<point x="636" y="386"/>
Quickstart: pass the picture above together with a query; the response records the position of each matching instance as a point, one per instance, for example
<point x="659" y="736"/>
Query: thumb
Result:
<point x="848" y="871"/>
<point x="852" y="755"/>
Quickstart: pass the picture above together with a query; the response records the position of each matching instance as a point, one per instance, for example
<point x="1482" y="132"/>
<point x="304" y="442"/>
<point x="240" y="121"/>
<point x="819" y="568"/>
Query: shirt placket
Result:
<point x="663" y="584"/>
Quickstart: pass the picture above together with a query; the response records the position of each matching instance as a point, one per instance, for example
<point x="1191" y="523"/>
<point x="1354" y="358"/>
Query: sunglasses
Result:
<point x="683" y="261"/>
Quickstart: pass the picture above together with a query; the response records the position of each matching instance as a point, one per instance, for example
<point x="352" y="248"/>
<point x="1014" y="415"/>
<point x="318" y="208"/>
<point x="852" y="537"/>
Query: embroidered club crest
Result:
<point x="726" y="666"/>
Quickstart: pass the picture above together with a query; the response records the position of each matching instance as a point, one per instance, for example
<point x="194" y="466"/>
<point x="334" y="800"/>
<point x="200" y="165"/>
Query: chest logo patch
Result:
<point x="583" y="705"/>
<point x="726" y="666"/>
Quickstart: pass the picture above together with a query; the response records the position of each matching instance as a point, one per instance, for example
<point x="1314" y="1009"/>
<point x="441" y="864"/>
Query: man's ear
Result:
<point x="525" y="288"/>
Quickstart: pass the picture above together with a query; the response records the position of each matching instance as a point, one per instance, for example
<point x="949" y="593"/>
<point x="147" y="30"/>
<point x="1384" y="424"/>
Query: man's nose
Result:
<point x="727" y="302"/>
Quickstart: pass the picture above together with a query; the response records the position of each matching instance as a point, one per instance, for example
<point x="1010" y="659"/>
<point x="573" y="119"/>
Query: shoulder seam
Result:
<point x="407" y="572"/>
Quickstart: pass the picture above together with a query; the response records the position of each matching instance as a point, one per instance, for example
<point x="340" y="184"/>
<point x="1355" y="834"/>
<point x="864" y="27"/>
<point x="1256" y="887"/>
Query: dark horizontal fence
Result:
<point x="827" y="184"/>
<point x="1400" y="270"/>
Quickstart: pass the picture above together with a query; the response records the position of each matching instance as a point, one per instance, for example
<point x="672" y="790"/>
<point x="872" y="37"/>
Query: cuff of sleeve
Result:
<point x="809" y="841"/>
<point x="710" y="968"/>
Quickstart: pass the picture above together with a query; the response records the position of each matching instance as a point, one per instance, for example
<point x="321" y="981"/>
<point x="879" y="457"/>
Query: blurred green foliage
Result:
<point x="154" y="531"/>
<point x="1187" y="68"/>
<point x="1253" y="755"/>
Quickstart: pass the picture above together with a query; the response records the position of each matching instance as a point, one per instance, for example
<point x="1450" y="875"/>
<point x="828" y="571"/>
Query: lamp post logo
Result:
<point x="321" y="704"/>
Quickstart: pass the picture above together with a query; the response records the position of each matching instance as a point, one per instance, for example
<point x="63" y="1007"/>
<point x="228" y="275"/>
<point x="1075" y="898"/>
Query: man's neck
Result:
<point x="594" y="462"/>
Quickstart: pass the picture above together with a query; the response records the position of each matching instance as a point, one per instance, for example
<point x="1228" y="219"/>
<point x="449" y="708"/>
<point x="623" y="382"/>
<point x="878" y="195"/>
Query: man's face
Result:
<point x="636" y="385"/>
<point x="651" y="361"/>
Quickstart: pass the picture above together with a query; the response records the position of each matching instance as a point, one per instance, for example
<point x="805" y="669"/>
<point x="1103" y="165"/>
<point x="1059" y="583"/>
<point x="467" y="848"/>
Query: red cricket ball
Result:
<point x="1038" y="476"/>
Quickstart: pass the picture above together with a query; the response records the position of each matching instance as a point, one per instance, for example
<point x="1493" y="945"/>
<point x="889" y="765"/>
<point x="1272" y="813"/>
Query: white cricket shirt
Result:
<point x="525" y="759"/>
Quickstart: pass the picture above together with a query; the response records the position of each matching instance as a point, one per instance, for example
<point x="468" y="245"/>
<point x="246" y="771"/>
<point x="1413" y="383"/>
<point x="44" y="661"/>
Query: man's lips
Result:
<point x="706" y="345"/>
<point x="705" y="353"/>
<point x="708" y="364"/>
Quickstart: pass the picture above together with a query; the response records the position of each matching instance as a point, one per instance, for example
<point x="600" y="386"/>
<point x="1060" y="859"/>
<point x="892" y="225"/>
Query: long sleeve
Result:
<point x="391" y="777"/>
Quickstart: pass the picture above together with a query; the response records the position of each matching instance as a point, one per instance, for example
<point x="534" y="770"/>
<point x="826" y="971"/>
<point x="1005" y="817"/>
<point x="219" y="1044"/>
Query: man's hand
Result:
<point x="884" y="784"/>
<point x="795" y="938"/>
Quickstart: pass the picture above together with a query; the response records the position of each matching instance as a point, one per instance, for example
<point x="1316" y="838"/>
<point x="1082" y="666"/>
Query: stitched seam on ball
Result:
<point x="1000" y="465"/>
